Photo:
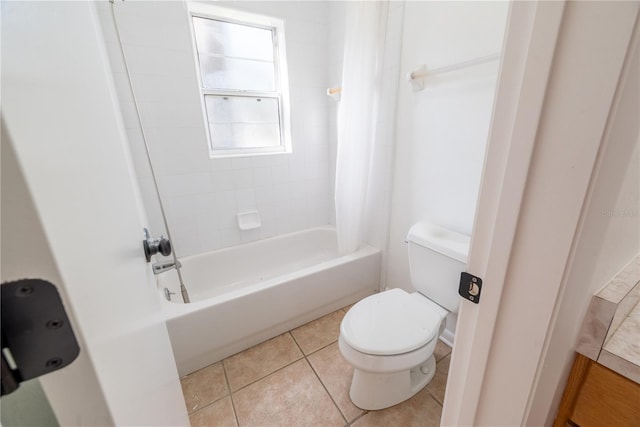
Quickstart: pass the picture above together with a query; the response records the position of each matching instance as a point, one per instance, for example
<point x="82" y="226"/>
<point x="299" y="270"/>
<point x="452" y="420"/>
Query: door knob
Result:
<point x="153" y="245"/>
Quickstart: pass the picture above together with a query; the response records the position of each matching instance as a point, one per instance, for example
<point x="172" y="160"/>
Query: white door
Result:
<point x="75" y="217"/>
<point x="559" y="74"/>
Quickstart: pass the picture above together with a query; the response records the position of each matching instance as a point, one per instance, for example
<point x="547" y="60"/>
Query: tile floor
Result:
<point x="300" y="379"/>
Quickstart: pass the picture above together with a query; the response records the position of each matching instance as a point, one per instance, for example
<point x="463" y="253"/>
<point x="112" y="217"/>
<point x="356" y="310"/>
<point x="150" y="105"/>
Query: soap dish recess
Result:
<point x="249" y="220"/>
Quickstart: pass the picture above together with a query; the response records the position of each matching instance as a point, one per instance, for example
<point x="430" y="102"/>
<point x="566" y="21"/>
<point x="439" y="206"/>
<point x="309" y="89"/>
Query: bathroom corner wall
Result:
<point x="202" y="196"/>
<point x="442" y="130"/>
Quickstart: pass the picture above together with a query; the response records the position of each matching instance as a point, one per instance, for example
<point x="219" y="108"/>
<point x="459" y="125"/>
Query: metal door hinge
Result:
<point x="470" y="287"/>
<point x="36" y="333"/>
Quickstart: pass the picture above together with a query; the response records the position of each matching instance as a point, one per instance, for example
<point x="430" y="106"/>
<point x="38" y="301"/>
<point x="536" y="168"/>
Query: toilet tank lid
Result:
<point x="449" y="243"/>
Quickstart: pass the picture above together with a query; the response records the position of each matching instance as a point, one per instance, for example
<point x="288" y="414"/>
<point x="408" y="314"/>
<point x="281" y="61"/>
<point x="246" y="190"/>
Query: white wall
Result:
<point x="608" y="237"/>
<point x="442" y="130"/>
<point x="202" y="196"/>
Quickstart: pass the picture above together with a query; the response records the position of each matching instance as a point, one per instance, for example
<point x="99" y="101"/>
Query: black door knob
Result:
<point x="164" y="246"/>
<point x="153" y="245"/>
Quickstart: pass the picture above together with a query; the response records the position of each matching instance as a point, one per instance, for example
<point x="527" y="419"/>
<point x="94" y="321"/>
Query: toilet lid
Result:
<point x="391" y="322"/>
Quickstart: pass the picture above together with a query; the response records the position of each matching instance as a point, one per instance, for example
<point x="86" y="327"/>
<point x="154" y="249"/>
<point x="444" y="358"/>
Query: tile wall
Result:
<point x="202" y="196"/>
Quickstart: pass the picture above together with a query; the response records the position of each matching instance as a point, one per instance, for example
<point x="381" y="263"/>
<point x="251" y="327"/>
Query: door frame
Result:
<point x="537" y="123"/>
<point x="517" y="109"/>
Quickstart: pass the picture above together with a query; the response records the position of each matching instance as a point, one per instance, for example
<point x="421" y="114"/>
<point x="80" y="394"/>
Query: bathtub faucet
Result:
<point x="161" y="267"/>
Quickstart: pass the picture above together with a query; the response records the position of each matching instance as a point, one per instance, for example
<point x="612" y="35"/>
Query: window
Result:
<point x="243" y="81"/>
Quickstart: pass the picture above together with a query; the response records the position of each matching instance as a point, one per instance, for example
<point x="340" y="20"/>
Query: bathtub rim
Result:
<point x="261" y="241"/>
<point x="173" y="310"/>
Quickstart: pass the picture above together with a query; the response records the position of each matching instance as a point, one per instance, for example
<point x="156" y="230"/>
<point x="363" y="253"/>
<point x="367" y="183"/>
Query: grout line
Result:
<point x="268" y="375"/>
<point x="321" y="348"/>
<point x="207" y="405"/>
<point x="434" y="398"/>
<point x="233" y="404"/>
<point x="344" y="417"/>
<point x="228" y="394"/>
<point x="446" y="355"/>
<point x="296" y="342"/>
<point x="359" y="416"/>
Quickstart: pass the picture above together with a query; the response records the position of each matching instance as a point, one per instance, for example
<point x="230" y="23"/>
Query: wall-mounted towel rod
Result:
<point x="416" y="76"/>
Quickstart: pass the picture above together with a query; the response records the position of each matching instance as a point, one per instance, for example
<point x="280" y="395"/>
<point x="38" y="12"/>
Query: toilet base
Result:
<point x="373" y="391"/>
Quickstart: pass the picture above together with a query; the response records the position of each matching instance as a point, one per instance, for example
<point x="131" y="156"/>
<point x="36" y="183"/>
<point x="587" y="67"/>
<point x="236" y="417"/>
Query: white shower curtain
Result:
<point x="357" y="119"/>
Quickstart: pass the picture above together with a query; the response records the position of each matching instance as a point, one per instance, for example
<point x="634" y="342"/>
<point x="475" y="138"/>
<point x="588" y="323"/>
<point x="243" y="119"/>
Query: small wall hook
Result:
<point x="416" y="78"/>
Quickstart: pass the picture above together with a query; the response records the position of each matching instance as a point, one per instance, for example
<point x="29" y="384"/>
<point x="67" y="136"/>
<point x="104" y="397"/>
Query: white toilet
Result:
<point x="389" y="337"/>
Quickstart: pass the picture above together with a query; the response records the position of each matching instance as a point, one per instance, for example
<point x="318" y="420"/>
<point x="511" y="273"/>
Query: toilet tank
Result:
<point x="437" y="256"/>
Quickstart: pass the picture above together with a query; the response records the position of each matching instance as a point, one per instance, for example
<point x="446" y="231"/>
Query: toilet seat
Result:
<point x="385" y="364"/>
<point x="391" y="323"/>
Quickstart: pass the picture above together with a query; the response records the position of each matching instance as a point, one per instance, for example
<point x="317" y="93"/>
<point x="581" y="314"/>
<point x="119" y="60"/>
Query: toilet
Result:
<point x="389" y="337"/>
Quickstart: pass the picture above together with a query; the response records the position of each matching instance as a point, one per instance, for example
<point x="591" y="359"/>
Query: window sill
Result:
<point x="226" y="154"/>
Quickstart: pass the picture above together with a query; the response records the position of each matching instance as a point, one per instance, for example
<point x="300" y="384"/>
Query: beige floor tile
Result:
<point x="438" y="384"/>
<point x="293" y="396"/>
<point x="335" y="373"/>
<point x="319" y="333"/>
<point x="219" y="414"/>
<point x="261" y="360"/>
<point x="441" y="351"/>
<point x="420" y="411"/>
<point x="204" y="386"/>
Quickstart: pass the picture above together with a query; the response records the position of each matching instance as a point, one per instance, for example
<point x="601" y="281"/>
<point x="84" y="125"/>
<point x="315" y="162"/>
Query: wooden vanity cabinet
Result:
<point x="597" y="396"/>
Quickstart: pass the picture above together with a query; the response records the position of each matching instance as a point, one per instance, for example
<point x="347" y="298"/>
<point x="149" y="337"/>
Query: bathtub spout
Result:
<point x="161" y="267"/>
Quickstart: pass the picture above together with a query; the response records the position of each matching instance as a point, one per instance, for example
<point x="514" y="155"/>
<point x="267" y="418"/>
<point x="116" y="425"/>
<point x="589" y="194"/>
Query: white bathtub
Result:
<point x="246" y="294"/>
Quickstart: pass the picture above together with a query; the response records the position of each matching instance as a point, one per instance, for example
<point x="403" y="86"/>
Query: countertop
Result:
<point x="610" y="332"/>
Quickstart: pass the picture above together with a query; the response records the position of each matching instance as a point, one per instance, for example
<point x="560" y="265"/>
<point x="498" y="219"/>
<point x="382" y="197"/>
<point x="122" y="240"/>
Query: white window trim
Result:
<point x="203" y="10"/>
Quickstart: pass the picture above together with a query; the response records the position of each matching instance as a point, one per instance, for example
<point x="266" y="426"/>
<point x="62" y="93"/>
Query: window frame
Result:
<point x="281" y="93"/>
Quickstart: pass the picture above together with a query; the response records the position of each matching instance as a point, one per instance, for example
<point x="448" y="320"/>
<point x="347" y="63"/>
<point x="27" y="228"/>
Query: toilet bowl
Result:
<point x="390" y="366"/>
<point x="389" y="337"/>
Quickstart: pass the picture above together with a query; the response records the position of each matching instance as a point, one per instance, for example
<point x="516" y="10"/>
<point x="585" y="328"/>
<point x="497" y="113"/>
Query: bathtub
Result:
<point x="243" y="295"/>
